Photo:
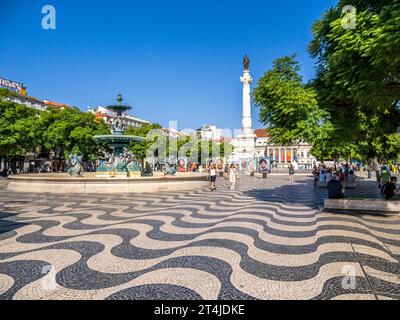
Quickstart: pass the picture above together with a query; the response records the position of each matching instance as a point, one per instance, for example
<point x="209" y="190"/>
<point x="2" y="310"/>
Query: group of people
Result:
<point x="387" y="182"/>
<point x="343" y="173"/>
<point x="336" y="177"/>
<point x="197" y="167"/>
<point x="5" y="172"/>
<point x="230" y="171"/>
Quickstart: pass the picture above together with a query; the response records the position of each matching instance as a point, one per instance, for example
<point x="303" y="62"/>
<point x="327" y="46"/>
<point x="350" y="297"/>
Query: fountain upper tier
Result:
<point x="121" y="159"/>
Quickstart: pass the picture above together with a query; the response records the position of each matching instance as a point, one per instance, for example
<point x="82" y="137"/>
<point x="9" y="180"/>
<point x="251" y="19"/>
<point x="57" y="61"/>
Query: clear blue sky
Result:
<point x="172" y="60"/>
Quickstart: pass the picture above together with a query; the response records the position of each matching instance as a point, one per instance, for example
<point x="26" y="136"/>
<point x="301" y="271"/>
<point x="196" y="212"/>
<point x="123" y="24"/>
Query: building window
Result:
<point x="283" y="155"/>
<point x="289" y="156"/>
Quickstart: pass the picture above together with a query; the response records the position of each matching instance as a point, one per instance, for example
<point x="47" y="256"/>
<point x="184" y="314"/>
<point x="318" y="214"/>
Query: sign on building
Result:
<point x="13" y="86"/>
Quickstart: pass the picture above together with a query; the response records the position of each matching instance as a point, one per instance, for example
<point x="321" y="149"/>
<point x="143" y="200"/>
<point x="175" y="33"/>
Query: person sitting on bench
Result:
<point x="335" y="189"/>
<point x="389" y="189"/>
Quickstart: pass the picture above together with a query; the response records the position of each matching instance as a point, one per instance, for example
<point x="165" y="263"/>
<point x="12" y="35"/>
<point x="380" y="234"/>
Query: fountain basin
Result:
<point x="118" y="139"/>
<point x="90" y="184"/>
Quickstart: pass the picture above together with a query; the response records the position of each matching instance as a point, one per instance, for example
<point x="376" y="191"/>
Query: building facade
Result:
<point x="172" y="133"/>
<point x="282" y="156"/>
<point x="55" y="105"/>
<point x="210" y="132"/>
<point x="109" y="117"/>
<point x="30" y="102"/>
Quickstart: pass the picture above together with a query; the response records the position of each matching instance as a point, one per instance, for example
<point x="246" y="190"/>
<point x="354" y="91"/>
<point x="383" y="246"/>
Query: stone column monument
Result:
<point x="247" y="139"/>
<point x="246" y="111"/>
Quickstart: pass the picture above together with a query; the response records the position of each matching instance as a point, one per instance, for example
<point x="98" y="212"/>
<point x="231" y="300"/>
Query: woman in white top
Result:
<point x="213" y="176"/>
<point x="232" y="176"/>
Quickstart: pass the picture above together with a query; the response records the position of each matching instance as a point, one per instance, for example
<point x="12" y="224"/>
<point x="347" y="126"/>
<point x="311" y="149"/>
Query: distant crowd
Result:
<point x="340" y="175"/>
<point x="340" y="172"/>
<point x="387" y="181"/>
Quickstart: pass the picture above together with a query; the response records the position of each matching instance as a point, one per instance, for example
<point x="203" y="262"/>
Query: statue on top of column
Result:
<point x="246" y="62"/>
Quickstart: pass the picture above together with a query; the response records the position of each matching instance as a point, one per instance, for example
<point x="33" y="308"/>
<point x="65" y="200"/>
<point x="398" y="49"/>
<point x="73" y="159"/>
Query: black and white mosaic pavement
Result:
<point x="266" y="240"/>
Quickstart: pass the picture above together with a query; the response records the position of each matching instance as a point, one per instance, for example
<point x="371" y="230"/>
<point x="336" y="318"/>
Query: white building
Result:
<point x="30" y="102"/>
<point x="21" y="96"/>
<point x="172" y="133"/>
<point x="210" y="132"/>
<point x="282" y="156"/>
<point x="108" y="116"/>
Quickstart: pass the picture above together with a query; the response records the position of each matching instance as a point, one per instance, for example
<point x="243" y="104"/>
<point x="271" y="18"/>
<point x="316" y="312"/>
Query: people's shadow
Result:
<point x="7" y="224"/>
<point x="302" y="192"/>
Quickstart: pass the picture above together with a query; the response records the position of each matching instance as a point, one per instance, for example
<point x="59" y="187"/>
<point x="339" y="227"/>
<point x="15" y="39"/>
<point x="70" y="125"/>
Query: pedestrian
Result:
<point x="226" y="171"/>
<point x="378" y="175"/>
<point x="213" y="176"/>
<point x="389" y="189"/>
<point x="335" y="189"/>
<point x="291" y="173"/>
<point x="342" y="176"/>
<point x="346" y="169"/>
<point x="232" y="176"/>
<point x="351" y="178"/>
<point x="385" y="177"/>
<point x="328" y="175"/>
<point x="322" y="175"/>
<point x="315" y="175"/>
<point x="369" y="171"/>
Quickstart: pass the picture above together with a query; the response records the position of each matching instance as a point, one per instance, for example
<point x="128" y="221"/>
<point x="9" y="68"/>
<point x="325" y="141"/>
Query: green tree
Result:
<point x="70" y="130"/>
<point x="358" y="75"/>
<point x="19" y="127"/>
<point x="139" y="149"/>
<point x="288" y="107"/>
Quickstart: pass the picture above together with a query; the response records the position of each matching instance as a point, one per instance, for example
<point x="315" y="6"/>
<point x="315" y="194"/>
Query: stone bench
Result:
<point x="346" y="185"/>
<point x="362" y="205"/>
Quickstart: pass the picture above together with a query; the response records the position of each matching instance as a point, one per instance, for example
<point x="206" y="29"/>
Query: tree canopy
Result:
<point x="352" y="107"/>
<point x="18" y="128"/>
<point x="60" y="131"/>
<point x="288" y="107"/>
<point x="70" y="130"/>
<point x="358" y="75"/>
<point x="139" y="149"/>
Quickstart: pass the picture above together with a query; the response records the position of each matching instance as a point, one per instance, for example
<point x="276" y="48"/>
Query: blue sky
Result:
<point x="172" y="60"/>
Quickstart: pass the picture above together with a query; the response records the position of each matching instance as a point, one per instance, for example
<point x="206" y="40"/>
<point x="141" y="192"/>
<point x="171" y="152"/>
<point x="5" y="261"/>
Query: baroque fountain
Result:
<point x="120" y="162"/>
<point x="119" y="172"/>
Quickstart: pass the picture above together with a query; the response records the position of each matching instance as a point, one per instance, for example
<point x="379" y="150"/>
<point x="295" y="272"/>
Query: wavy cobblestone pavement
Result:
<point x="266" y="240"/>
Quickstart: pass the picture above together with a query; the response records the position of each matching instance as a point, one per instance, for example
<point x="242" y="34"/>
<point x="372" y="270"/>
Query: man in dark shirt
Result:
<point x="335" y="189"/>
<point x="389" y="189"/>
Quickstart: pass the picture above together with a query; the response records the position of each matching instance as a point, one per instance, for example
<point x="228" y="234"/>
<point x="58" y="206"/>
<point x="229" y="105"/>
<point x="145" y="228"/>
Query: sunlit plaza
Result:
<point x="191" y="152"/>
<point x="266" y="240"/>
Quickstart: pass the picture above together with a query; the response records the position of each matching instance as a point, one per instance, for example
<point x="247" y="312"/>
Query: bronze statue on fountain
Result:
<point x="121" y="161"/>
